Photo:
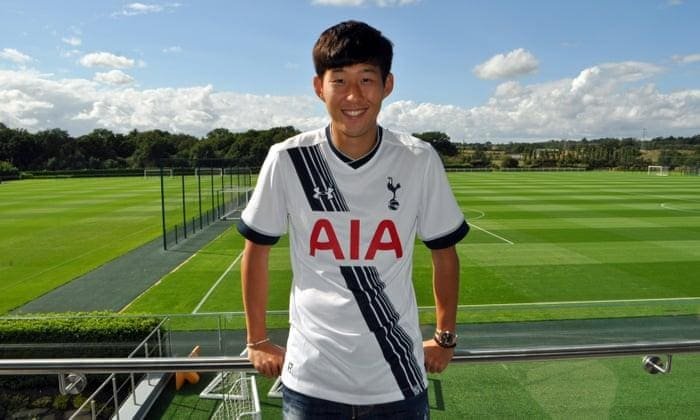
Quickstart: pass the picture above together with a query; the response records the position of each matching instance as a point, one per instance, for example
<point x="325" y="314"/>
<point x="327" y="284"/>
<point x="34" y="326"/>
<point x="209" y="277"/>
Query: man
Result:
<point x="354" y="196"/>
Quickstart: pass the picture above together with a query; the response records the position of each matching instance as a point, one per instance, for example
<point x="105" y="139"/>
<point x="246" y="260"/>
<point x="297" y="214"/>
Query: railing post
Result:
<point x="116" y="397"/>
<point x="133" y="387"/>
<point x="92" y="409"/>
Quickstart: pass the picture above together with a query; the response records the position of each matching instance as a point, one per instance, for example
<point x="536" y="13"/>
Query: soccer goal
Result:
<point x="234" y="199"/>
<point x="657" y="170"/>
<point x="238" y="393"/>
<point x="156" y="172"/>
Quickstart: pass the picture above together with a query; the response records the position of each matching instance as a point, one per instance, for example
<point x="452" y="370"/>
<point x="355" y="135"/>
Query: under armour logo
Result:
<point x="328" y="193"/>
<point x="393" y="203"/>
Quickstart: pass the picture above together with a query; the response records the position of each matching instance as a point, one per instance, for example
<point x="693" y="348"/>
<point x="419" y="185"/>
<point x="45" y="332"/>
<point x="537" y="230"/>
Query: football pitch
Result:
<point x="627" y="240"/>
<point x="542" y="246"/>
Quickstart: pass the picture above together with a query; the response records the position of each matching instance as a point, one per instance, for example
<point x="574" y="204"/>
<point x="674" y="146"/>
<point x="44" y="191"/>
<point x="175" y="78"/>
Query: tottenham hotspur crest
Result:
<point x="393" y="203"/>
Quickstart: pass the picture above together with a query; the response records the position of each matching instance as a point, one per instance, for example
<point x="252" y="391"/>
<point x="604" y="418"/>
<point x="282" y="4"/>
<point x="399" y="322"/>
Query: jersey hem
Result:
<point x="450" y="239"/>
<point x="255" y="236"/>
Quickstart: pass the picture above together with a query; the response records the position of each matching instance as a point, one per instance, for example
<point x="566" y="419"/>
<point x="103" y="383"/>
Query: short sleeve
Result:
<point x="441" y="222"/>
<point x="264" y="220"/>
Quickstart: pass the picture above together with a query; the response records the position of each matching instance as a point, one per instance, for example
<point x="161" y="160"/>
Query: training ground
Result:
<point x="544" y="248"/>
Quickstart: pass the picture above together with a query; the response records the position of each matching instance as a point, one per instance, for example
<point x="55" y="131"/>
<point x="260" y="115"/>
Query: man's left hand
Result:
<point x="436" y="358"/>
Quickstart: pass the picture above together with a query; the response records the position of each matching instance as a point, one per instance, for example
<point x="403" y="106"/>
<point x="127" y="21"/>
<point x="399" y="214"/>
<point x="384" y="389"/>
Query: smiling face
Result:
<point x="353" y="96"/>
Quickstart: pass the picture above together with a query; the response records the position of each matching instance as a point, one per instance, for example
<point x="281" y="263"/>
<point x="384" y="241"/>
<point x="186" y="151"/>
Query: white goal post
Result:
<point x="156" y="172"/>
<point x="657" y="170"/>
<point x="238" y="394"/>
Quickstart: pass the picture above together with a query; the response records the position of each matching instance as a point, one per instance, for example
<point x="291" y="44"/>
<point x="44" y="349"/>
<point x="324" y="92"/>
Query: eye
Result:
<point x="337" y="81"/>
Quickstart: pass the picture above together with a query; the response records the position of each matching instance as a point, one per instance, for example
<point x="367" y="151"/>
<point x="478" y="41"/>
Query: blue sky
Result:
<point x="478" y="70"/>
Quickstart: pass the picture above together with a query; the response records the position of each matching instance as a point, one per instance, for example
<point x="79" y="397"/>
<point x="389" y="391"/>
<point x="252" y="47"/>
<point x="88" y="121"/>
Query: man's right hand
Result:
<point x="267" y="358"/>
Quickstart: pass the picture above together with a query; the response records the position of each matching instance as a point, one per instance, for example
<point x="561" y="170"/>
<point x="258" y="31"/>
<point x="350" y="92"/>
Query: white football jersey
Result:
<point x="354" y="336"/>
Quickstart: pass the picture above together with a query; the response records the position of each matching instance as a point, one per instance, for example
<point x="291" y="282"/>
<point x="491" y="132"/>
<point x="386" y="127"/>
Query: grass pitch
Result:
<point x="54" y="230"/>
<point x="542" y="246"/>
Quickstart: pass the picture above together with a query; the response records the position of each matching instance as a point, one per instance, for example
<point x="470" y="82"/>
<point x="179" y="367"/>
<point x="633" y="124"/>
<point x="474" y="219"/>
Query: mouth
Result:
<point x="354" y="113"/>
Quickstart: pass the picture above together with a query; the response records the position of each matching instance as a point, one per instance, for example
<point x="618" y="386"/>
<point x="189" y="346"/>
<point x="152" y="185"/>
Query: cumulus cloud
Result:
<point x="505" y="66"/>
<point x="105" y="59"/>
<point x="37" y="101"/>
<point x="685" y="59"/>
<point x="113" y="77"/>
<point x="609" y="99"/>
<point x="15" y="56"/>
<point x="356" y="3"/>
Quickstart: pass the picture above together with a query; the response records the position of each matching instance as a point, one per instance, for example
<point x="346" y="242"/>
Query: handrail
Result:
<point x="219" y="363"/>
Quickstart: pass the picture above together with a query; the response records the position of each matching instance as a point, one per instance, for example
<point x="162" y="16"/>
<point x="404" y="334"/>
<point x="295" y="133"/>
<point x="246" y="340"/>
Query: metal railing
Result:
<point x="219" y="363"/>
<point x="73" y="370"/>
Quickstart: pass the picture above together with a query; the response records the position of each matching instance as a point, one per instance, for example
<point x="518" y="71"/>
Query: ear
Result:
<point x="318" y="87"/>
<point x="388" y="85"/>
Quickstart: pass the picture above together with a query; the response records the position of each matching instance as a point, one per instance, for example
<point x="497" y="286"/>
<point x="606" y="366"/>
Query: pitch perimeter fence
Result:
<point x="195" y="194"/>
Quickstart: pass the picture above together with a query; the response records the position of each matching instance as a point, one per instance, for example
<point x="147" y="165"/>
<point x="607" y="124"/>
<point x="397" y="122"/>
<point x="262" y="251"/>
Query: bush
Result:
<point x="8" y="171"/>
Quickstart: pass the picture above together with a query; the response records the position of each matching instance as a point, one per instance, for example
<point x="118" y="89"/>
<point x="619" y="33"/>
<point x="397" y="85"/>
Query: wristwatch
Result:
<point x="446" y="339"/>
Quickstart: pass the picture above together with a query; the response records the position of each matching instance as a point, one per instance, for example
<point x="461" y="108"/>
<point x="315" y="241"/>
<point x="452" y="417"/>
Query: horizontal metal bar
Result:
<point x="219" y="363"/>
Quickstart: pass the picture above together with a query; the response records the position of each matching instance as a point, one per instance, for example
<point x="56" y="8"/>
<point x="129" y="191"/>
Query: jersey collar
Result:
<point x="355" y="163"/>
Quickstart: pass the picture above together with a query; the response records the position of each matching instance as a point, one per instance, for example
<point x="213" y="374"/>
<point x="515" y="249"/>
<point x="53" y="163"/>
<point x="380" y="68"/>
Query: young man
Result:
<point x="354" y="196"/>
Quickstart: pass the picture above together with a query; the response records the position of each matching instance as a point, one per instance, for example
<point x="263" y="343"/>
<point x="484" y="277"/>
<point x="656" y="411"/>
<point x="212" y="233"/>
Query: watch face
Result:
<point x="447" y="338"/>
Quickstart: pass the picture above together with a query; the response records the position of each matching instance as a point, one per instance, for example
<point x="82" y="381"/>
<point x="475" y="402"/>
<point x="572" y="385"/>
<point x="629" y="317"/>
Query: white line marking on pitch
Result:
<point x="571" y="302"/>
<point x="492" y="234"/>
<point x="664" y="206"/>
<point x="211" y="289"/>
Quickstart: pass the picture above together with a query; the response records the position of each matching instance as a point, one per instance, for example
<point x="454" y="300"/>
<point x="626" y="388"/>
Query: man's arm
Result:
<point x="446" y="291"/>
<point x="267" y="357"/>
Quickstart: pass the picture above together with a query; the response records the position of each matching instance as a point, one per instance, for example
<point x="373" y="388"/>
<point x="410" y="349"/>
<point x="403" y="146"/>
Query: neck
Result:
<point x="354" y="147"/>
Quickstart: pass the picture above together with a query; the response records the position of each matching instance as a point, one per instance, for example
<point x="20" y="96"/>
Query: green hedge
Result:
<point x="69" y="335"/>
<point x="95" y="334"/>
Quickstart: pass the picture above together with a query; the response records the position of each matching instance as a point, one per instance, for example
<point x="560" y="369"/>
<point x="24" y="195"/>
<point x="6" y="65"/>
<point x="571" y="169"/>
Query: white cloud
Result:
<point x="504" y="66"/>
<point x="105" y="59"/>
<point x="73" y="41"/>
<point x="175" y="49"/>
<point x="113" y="77"/>
<point x="610" y="99"/>
<point x="604" y="100"/>
<point x="37" y="101"/>
<point x="356" y="3"/>
<point x="685" y="59"/>
<point x="15" y="56"/>
<point x="133" y="9"/>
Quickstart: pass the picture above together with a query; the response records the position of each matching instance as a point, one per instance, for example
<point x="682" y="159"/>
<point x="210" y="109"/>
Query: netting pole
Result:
<point x="184" y="211"/>
<point x="211" y="182"/>
<point x="199" y="192"/>
<point x="162" y="209"/>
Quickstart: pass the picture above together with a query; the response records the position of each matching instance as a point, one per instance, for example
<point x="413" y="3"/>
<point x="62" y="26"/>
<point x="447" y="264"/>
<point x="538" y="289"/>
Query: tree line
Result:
<point x="55" y="149"/>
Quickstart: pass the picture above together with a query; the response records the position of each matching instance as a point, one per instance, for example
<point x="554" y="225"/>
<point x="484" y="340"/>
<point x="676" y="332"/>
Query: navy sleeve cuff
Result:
<point x="256" y="237"/>
<point x="449" y="239"/>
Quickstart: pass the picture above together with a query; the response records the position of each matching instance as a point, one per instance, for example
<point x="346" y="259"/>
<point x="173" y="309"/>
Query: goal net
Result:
<point x="234" y="200"/>
<point x="657" y="170"/>
<point x="156" y="172"/>
<point x="238" y="394"/>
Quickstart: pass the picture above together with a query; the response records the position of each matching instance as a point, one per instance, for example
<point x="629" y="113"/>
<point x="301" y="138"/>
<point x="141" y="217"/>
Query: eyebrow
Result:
<point x="364" y="69"/>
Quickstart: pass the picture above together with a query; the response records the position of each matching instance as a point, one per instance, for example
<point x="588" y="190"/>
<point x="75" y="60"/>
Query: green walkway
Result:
<point x="118" y="282"/>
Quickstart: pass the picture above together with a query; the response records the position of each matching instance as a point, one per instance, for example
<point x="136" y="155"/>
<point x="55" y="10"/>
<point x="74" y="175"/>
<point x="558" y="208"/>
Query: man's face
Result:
<point x="353" y="96"/>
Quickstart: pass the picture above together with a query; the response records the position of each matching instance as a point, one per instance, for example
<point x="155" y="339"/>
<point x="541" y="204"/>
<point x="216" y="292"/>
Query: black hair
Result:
<point x="349" y="43"/>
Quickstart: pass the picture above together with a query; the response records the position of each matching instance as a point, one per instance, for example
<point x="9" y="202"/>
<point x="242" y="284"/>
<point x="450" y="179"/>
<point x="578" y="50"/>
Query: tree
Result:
<point x="440" y="141"/>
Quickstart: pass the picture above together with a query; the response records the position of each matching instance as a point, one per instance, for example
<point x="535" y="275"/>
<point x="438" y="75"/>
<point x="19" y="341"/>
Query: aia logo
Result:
<point x="393" y="203"/>
<point x="384" y="238"/>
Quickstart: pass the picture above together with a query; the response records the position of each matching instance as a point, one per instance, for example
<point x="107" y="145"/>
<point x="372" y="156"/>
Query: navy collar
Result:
<point x="355" y="163"/>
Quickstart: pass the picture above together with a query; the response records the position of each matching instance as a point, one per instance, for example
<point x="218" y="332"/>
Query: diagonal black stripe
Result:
<point x="305" y="178"/>
<point x="316" y="179"/>
<point x="382" y="320"/>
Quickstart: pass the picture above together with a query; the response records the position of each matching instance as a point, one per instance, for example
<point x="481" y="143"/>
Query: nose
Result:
<point x="354" y="92"/>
